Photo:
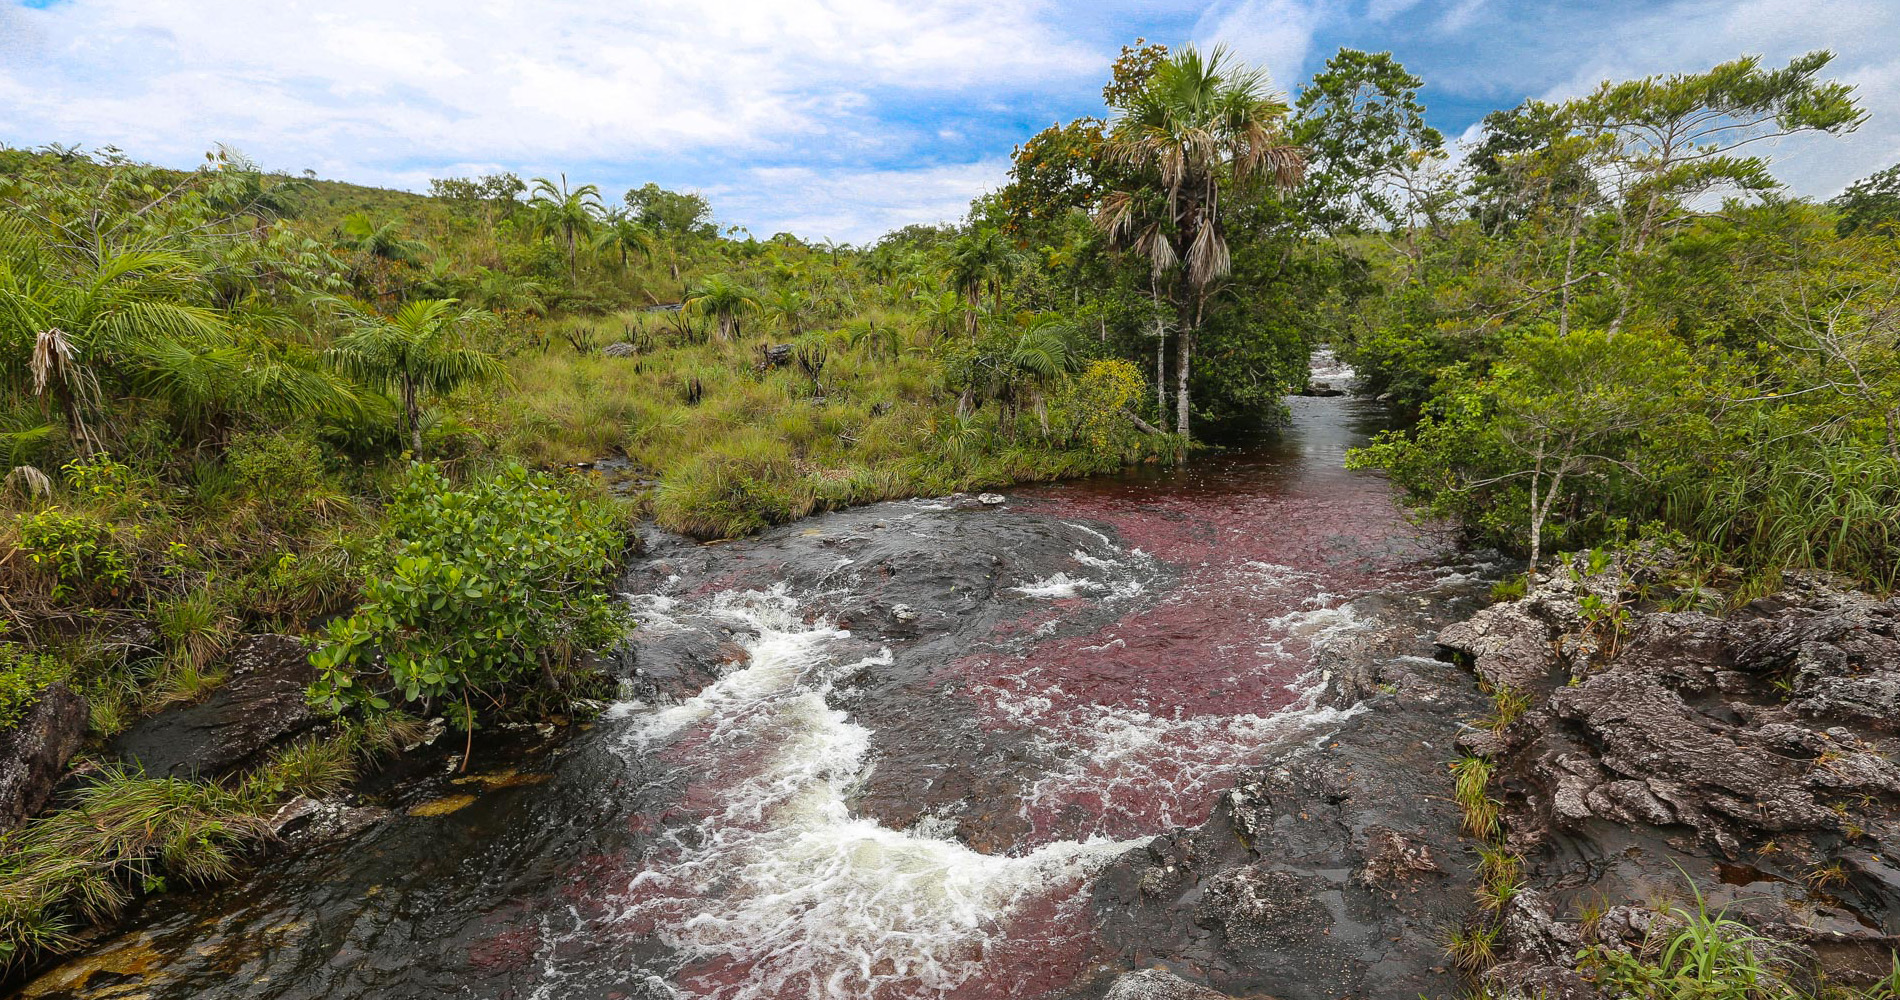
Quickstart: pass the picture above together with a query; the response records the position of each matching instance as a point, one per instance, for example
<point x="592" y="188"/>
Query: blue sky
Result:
<point x="828" y="118"/>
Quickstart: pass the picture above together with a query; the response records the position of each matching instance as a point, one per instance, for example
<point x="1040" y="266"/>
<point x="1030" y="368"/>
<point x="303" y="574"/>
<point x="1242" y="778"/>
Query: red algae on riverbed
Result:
<point x="1154" y="713"/>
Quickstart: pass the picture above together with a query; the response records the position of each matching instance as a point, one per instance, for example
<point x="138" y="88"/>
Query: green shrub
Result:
<point x="77" y="548"/>
<point x="281" y="469"/>
<point x="23" y="675"/>
<point x="474" y="592"/>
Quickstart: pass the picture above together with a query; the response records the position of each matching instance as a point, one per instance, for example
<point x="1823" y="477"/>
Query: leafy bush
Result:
<point x="472" y="591"/>
<point x="285" y="473"/>
<point x="77" y="548"/>
<point x="23" y="675"/>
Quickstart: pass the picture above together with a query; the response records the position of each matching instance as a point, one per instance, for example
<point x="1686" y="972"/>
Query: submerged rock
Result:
<point x="1158" y="984"/>
<point x="1333" y="873"/>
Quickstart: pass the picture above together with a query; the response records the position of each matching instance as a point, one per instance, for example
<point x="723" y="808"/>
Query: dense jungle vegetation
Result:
<point x="237" y="401"/>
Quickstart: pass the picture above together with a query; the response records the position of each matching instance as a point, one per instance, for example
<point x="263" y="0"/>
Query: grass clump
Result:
<point x="120" y="834"/>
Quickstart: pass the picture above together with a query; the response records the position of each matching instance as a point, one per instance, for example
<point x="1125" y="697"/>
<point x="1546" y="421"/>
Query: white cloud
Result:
<point x="1692" y="35"/>
<point x="1459" y="16"/>
<point x="1381" y="11"/>
<point x="857" y="206"/>
<point x="385" y="92"/>
<point x="1276" y="35"/>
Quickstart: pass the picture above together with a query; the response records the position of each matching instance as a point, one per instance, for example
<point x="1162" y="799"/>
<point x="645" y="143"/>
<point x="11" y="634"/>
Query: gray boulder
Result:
<point x="33" y="753"/>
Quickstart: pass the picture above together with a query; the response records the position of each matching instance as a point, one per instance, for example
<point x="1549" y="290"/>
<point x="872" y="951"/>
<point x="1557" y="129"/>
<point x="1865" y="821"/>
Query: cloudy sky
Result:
<point x="827" y="118"/>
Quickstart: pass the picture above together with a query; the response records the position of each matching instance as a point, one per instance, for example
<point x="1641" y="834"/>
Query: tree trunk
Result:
<point x="1540" y="512"/>
<point x="1161" y="371"/>
<point x="412" y="409"/>
<point x="1184" y="350"/>
<point x="1570" y="270"/>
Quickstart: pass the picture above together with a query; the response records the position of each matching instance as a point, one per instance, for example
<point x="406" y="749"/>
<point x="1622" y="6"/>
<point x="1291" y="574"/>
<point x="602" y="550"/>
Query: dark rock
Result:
<point x="1752" y="748"/>
<point x="1507" y="644"/>
<point x="1392" y="860"/>
<point x="261" y="706"/>
<point x="776" y="355"/>
<point x="1327" y="875"/>
<point x="33" y="754"/>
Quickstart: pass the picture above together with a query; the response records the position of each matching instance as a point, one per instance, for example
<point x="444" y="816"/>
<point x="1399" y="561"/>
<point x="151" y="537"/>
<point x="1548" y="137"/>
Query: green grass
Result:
<point x="121" y="834"/>
<point x="735" y="448"/>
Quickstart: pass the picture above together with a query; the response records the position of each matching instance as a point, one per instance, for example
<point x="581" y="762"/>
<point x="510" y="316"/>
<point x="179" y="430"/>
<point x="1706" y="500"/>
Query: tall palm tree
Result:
<point x="570" y="213"/>
<point x="1200" y="130"/>
<point x="981" y="261"/>
<point x="724" y="299"/>
<point x="422" y="348"/>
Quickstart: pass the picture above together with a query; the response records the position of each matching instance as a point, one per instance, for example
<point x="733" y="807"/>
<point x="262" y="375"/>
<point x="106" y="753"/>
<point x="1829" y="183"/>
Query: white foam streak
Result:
<point x="1059" y="586"/>
<point x="780" y="878"/>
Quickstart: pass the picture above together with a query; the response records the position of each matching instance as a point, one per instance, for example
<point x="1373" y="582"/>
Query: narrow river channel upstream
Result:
<point x="882" y="753"/>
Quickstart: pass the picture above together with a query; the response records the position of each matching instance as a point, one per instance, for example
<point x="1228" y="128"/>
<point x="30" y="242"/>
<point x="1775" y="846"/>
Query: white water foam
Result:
<point x="1106" y="756"/>
<point x="1058" y="586"/>
<point x="778" y="890"/>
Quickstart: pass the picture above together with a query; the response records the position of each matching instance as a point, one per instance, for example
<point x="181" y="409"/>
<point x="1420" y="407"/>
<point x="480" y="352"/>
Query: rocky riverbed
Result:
<point x="1165" y="737"/>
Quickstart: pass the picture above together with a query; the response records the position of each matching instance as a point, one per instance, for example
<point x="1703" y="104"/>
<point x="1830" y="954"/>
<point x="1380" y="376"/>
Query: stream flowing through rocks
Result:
<point x="906" y="750"/>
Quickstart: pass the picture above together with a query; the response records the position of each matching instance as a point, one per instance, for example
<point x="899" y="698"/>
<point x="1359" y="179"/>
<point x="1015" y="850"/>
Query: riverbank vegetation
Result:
<point x="1614" y="322"/>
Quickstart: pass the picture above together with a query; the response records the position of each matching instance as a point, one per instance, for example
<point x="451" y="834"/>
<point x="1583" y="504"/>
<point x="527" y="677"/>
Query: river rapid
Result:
<point x="882" y="753"/>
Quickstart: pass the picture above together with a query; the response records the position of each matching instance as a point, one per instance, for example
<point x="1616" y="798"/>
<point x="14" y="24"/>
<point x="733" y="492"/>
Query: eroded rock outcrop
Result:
<point x="1747" y="752"/>
<point x="262" y="705"/>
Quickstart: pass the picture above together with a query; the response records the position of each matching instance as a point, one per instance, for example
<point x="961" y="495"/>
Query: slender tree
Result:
<point x="571" y="213"/>
<point x="423" y="348"/>
<point x="1200" y="130"/>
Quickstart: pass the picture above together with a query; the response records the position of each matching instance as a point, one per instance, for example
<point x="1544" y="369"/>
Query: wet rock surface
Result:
<point x="1749" y="752"/>
<point x="1333" y="873"/>
<point x="34" y="752"/>
<point x="928" y="582"/>
<point x="262" y="705"/>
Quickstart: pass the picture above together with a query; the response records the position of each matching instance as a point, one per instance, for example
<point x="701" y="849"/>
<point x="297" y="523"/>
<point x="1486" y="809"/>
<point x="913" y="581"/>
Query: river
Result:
<point x="881" y="753"/>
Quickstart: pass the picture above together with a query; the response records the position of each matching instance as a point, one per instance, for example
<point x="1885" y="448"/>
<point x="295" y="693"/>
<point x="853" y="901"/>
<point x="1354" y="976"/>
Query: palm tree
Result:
<point x="790" y="308"/>
<point x="627" y="233"/>
<point x="1199" y="130"/>
<point x="981" y="261"/>
<point x="570" y="213"/>
<point x="941" y="311"/>
<point x="1036" y="361"/>
<point x="383" y="240"/>
<point x="724" y="299"/>
<point x="77" y="314"/>
<point x="421" y="349"/>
